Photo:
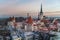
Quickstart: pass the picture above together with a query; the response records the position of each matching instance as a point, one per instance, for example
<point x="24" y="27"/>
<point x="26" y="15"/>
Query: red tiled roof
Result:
<point x="29" y="20"/>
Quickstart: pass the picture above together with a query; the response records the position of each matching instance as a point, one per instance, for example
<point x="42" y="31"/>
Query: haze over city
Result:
<point x="21" y="7"/>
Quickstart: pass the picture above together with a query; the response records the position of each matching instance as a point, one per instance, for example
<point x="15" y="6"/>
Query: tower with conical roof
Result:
<point x="40" y="15"/>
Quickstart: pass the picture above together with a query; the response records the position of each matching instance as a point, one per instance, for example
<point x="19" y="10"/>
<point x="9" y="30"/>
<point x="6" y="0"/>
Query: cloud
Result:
<point x="20" y="7"/>
<point x="17" y="3"/>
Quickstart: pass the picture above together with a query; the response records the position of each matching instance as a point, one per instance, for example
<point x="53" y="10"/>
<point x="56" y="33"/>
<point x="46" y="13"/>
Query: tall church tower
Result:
<point x="40" y="15"/>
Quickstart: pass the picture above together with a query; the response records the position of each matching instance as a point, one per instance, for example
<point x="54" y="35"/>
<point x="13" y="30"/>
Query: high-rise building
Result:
<point x="40" y="15"/>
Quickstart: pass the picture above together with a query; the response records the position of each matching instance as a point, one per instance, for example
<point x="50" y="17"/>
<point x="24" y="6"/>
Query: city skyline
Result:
<point x="22" y="7"/>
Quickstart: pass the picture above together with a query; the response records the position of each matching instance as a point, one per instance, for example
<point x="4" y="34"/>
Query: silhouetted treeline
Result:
<point x="4" y="21"/>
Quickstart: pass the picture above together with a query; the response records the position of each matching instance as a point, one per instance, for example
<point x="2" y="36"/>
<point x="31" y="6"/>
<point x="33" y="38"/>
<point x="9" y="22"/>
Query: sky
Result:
<point x="22" y="7"/>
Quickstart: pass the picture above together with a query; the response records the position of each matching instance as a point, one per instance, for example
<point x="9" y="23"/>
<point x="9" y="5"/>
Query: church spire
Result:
<point x="41" y="13"/>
